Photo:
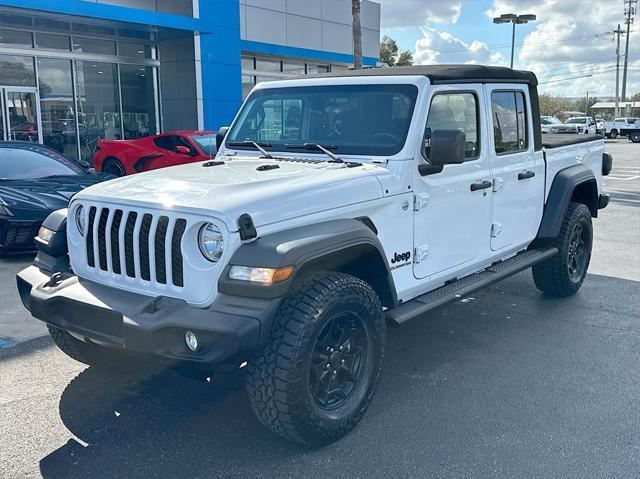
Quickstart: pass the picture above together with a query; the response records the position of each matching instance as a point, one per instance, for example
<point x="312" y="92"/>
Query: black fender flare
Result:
<point x="564" y="184"/>
<point x="317" y="246"/>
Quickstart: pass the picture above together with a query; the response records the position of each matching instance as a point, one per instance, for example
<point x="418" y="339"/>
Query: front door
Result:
<point x="453" y="207"/>
<point x="20" y="117"/>
<point x="518" y="170"/>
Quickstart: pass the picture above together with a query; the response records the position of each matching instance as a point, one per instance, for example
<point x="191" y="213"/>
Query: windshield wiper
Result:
<point x="256" y="145"/>
<point x="315" y="146"/>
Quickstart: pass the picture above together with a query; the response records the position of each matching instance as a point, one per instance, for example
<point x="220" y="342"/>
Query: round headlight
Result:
<point x="211" y="242"/>
<point x="81" y="220"/>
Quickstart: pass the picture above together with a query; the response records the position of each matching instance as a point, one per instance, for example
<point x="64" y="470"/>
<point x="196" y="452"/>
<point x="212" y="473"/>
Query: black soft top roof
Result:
<point x="438" y="74"/>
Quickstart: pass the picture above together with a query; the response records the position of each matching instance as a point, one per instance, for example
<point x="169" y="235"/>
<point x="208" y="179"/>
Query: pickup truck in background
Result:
<point x="336" y="206"/>
<point x="629" y="127"/>
<point x="585" y="124"/>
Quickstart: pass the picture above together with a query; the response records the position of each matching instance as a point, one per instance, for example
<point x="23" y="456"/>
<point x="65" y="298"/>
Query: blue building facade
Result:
<point x="77" y="70"/>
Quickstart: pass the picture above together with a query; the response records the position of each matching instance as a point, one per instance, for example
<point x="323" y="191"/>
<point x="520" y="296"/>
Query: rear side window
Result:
<point x="456" y="111"/>
<point x="510" y="132"/>
<point x="169" y="142"/>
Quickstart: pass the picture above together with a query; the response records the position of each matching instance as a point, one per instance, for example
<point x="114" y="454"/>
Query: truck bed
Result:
<point x="550" y="140"/>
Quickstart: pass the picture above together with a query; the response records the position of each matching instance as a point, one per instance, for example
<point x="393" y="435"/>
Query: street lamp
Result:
<point x="514" y="19"/>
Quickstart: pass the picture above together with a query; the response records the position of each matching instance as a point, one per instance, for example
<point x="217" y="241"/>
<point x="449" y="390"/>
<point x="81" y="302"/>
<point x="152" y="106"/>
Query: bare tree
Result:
<point x="357" y="35"/>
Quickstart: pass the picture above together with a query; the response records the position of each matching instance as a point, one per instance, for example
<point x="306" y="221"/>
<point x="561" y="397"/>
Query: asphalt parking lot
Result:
<point x="505" y="383"/>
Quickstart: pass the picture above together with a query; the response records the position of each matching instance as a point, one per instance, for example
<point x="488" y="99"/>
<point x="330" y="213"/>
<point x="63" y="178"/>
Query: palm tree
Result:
<point x="357" y="35"/>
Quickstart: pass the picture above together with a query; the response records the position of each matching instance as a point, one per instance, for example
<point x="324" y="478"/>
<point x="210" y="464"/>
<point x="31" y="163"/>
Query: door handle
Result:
<point x="523" y="175"/>
<point x="481" y="185"/>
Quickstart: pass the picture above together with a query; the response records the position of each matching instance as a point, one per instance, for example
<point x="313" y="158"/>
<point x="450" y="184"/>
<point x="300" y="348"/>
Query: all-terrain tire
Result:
<point x="280" y="378"/>
<point x="561" y="276"/>
<point x="87" y="353"/>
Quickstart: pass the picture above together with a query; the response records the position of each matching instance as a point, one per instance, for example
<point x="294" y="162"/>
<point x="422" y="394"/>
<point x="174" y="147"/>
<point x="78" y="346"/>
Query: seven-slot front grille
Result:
<point x="138" y="245"/>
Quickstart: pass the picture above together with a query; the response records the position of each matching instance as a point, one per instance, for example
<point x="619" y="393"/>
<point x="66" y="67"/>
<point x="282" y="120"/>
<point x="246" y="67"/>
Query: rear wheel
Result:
<point x="563" y="274"/>
<point x="635" y="136"/>
<point x="319" y="371"/>
<point x="114" y="167"/>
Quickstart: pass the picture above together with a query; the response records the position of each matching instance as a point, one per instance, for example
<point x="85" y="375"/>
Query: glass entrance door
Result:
<point x="20" y="119"/>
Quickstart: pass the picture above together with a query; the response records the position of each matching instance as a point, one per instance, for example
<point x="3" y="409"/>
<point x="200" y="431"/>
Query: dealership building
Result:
<point x="74" y="71"/>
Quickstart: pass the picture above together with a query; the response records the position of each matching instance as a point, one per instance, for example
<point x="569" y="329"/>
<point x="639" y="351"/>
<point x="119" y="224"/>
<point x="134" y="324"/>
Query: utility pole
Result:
<point x="630" y="11"/>
<point x="357" y="34"/>
<point x="618" y="32"/>
<point x="586" y="104"/>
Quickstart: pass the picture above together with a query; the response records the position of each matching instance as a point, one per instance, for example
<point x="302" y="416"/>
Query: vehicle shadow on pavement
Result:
<point x="497" y="374"/>
<point x="155" y="422"/>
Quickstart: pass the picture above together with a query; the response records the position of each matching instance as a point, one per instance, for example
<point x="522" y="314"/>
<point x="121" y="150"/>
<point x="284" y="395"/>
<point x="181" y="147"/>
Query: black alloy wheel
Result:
<point x="338" y="360"/>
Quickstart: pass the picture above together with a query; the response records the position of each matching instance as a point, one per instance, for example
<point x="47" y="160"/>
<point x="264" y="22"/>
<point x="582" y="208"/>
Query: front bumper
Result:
<point x="228" y="331"/>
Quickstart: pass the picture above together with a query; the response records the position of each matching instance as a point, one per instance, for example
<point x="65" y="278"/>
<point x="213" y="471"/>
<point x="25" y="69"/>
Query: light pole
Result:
<point x="514" y="19"/>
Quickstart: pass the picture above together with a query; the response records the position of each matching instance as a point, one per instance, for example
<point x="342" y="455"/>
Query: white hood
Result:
<point x="296" y="188"/>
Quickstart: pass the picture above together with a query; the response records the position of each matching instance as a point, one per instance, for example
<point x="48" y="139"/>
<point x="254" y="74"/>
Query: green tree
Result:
<point x="392" y="55"/>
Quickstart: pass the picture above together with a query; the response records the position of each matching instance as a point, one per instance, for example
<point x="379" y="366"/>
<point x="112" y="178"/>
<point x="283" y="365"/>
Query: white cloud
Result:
<point x="441" y="47"/>
<point x="569" y="41"/>
<point x="413" y="13"/>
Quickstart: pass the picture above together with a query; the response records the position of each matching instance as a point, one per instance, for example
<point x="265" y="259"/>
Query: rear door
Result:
<point x="518" y="170"/>
<point x="452" y="217"/>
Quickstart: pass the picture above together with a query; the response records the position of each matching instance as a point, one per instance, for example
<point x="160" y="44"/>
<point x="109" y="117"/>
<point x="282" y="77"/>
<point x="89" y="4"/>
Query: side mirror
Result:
<point x="183" y="150"/>
<point x="442" y="147"/>
<point x="222" y="132"/>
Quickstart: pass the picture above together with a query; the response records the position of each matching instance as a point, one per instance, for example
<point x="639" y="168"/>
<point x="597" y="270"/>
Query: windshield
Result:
<point x="207" y="143"/>
<point x="550" y="120"/>
<point x="33" y="162"/>
<point x="347" y="119"/>
<point x="572" y="121"/>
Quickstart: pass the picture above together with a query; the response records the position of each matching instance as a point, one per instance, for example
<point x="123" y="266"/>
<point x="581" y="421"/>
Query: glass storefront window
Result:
<point x="17" y="70"/>
<point x="139" y="100"/>
<point x="293" y="68"/>
<point x="94" y="45"/>
<point x="247" y="84"/>
<point x="50" y="41"/>
<point x="15" y="38"/>
<point x="98" y="105"/>
<point x="137" y="50"/>
<point x="57" y="108"/>
<point x="315" y="69"/>
<point x="246" y="63"/>
<point x="267" y="65"/>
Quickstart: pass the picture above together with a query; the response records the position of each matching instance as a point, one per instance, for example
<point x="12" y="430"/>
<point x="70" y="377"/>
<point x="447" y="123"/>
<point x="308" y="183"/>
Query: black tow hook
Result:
<point x="54" y="280"/>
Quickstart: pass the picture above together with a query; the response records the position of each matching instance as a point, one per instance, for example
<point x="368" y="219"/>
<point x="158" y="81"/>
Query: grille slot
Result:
<point x="91" y="261"/>
<point x="102" y="244"/>
<point x="115" y="241"/>
<point x="139" y="245"/>
<point x="176" y="254"/>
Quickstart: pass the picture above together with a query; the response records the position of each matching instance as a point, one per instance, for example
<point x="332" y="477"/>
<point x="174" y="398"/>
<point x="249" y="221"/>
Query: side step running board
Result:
<point x="466" y="285"/>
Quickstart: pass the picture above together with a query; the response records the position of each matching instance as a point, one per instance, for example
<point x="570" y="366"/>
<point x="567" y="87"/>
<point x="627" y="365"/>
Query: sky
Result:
<point x="570" y="46"/>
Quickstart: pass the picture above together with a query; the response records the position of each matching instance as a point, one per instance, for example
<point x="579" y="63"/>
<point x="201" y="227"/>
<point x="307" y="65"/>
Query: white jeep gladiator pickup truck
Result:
<point x="335" y="206"/>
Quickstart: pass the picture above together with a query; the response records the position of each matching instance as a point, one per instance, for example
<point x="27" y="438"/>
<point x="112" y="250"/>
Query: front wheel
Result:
<point x="563" y="274"/>
<point x="613" y="134"/>
<point x="318" y="373"/>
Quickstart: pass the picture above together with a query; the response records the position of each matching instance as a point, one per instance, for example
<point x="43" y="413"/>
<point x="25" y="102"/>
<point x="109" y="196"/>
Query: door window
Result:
<point x="170" y="142"/>
<point x="509" y="121"/>
<point x="456" y="111"/>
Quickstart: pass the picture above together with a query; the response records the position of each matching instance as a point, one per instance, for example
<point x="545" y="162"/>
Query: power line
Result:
<point x="573" y="78"/>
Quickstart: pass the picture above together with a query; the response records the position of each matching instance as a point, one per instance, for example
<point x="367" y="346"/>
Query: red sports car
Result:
<point x="125" y="157"/>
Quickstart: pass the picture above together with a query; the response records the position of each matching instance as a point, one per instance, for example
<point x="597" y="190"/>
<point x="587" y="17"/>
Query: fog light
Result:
<point x="191" y="340"/>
